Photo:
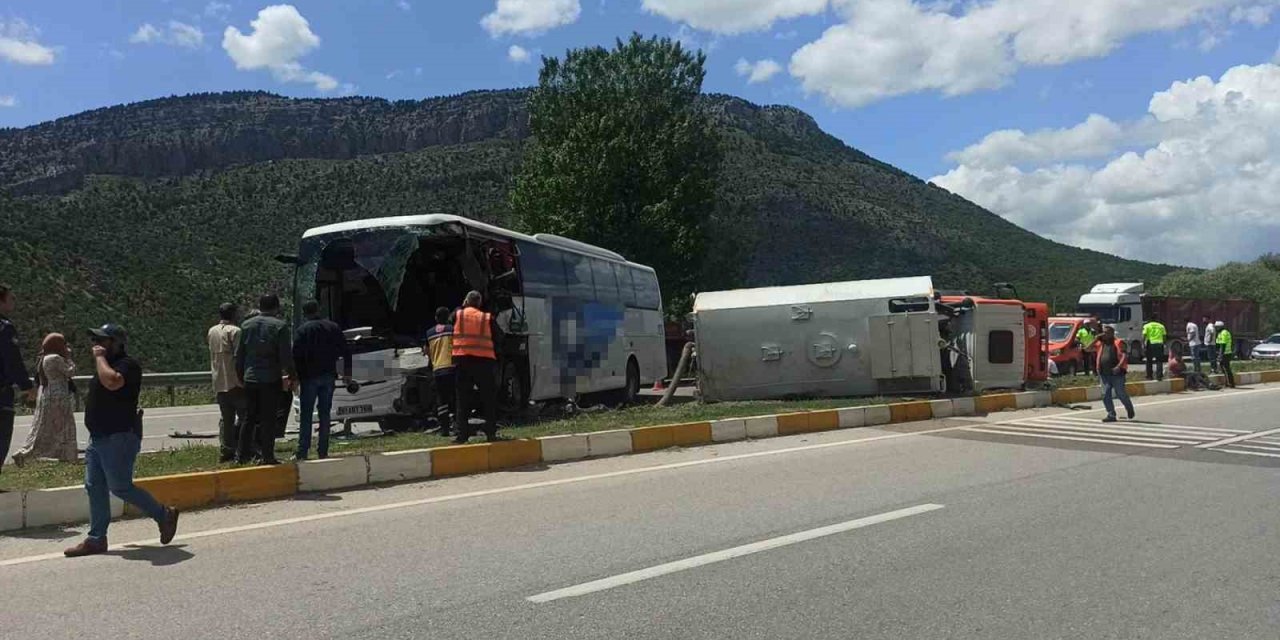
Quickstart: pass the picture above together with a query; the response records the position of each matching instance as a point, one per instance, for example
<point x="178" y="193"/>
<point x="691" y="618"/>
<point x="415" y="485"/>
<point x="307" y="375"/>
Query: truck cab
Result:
<point x="1118" y="304"/>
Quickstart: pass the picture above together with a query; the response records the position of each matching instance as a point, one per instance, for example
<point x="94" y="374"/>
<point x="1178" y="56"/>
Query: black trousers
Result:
<point x="1155" y="361"/>
<point x="258" y="435"/>
<point x="474" y="375"/>
<point x="232" y="406"/>
<point x="446" y="398"/>
<point x="1225" y="361"/>
<point x="6" y="424"/>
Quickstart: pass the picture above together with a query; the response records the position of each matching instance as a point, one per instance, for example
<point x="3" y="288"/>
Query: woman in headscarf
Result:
<point x="53" y="428"/>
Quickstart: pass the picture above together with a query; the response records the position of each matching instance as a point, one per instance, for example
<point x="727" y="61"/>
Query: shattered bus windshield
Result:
<point x="391" y="279"/>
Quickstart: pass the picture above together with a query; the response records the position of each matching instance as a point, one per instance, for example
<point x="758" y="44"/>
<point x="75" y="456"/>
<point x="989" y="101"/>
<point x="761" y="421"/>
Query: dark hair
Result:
<point x="5" y="290"/>
<point x="227" y="311"/>
<point x="442" y="315"/>
<point x="311" y="307"/>
<point x="269" y="303"/>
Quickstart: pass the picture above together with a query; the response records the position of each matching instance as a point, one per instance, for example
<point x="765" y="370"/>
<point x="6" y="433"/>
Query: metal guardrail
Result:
<point x="168" y="380"/>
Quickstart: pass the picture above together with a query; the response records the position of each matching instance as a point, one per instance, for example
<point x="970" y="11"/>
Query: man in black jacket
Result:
<point x="318" y="343"/>
<point x="12" y="371"/>
<point x="264" y="361"/>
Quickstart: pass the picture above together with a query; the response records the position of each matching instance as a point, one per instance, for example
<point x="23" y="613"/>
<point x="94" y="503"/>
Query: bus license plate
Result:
<point x="355" y="409"/>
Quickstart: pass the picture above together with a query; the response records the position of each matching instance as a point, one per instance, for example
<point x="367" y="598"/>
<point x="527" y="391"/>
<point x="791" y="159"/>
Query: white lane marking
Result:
<point x="727" y="554"/>
<point x="1133" y="434"/>
<point x="1248" y="453"/>
<point x="1193" y="398"/>
<point x="1139" y="424"/>
<point x="1241" y="445"/>
<point x="613" y="474"/>
<point x="1053" y="437"/>
<point x="1235" y="439"/>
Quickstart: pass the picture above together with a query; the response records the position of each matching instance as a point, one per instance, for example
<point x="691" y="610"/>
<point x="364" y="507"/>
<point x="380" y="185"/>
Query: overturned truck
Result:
<point x="862" y="338"/>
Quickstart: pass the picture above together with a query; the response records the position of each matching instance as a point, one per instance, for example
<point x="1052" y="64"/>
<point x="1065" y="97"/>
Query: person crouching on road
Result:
<point x="1226" y="352"/>
<point x="439" y="349"/>
<point x="475" y="362"/>
<point x="264" y="361"/>
<point x="318" y="344"/>
<point x="1113" y="367"/>
<point x="115" y="437"/>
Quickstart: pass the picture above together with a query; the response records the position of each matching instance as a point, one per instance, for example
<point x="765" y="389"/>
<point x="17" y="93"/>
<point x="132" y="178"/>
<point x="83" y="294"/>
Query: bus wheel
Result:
<point x="512" y="396"/>
<point x="631" y="392"/>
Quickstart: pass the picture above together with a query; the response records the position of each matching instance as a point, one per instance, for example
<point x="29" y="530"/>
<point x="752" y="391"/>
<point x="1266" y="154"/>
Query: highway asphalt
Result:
<point x="1032" y="524"/>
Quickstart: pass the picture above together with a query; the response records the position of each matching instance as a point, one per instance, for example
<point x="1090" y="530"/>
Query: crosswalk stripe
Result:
<point x="1127" y="443"/>
<point x="1136" y="434"/>
<point x="1221" y="433"/>
<point x="1247" y="436"/>
<point x="1249" y="453"/>
<point x="1242" y="445"/>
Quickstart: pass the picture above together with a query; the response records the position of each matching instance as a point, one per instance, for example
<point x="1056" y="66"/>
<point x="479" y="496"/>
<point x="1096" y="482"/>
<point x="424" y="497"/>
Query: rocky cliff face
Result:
<point x="182" y="136"/>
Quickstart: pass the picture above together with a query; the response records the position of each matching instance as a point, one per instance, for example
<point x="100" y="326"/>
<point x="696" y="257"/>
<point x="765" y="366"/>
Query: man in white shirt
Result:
<point x="1193" y="343"/>
<point x="224" y="339"/>
<point x="1209" y="344"/>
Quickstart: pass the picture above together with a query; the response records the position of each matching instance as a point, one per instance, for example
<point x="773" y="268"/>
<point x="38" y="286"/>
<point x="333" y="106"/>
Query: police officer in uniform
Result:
<point x="1153" y="335"/>
<point x="12" y="371"/>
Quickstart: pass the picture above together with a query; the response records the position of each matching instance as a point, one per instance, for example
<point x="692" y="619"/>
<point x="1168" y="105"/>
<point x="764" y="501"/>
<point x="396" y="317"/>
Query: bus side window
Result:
<point x="647" y="294"/>
<point x="626" y="285"/>
<point x="605" y="280"/>
<point x="543" y="271"/>
<point x="577" y="270"/>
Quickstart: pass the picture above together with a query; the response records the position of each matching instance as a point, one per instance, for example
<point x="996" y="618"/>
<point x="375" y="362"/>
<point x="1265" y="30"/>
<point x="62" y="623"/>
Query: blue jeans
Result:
<point x="108" y="469"/>
<point x="1114" y="384"/>
<point x="315" y="391"/>
<point x="1196" y="353"/>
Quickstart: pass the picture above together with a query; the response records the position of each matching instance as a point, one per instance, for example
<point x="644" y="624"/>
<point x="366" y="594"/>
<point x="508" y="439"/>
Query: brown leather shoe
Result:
<point x="169" y="526"/>
<point x="87" y="548"/>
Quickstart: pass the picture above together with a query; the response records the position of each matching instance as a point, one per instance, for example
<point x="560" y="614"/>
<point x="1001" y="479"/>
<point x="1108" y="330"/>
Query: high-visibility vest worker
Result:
<point x="1224" y="341"/>
<point x="1085" y="337"/>
<point x="1153" y="332"/>
<point x="472" y="334"/>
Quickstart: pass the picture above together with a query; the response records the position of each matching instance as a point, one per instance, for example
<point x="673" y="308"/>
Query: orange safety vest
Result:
<point x="471" y="334"/>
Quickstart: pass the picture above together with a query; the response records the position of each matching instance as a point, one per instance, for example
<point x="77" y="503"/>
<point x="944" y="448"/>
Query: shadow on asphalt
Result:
<point x="157" y="556"/>
<point x="43" y="533"/>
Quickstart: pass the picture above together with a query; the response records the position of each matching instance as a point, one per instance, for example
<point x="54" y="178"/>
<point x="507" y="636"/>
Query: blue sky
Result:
<point x="910" y="82"/>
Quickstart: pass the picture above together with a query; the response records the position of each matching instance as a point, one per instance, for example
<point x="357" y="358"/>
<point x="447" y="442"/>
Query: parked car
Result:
<point x="1064" y="349"/>
<point x="1268" y="349"/>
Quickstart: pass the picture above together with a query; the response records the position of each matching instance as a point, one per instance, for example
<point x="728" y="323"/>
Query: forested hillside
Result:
<point x="151" y="214"/>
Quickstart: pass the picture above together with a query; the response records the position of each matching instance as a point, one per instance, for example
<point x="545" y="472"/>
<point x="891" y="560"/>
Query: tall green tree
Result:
<point x="624" y="156"/>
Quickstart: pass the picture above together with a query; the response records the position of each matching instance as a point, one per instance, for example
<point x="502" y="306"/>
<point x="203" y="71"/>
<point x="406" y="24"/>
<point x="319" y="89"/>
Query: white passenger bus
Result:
<point x="578" y="319"/>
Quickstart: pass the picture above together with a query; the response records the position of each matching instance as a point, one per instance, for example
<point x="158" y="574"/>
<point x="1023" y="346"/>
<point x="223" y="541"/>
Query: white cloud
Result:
<point x="530" y="17"/>
<point x="146" y="34"/>
<point x="759" y="71"/>
<point x="178" y="34"/>
<point x="404" y="5"/>
<point x="886" y="48"/>
<point x="19" y="44"/>
<point x="280" y="36"/>
<point x="1097" y="136"/>
<point x="1196" y="181"/>
<point x="733" y="16"/>
<point x="518" y="54"/>
<point x="217" y="10"/>
<point x="8" y="101"/>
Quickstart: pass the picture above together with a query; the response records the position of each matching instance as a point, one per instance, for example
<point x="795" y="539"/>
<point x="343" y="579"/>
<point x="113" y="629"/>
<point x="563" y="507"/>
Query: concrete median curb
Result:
<point x="68" y="505"/>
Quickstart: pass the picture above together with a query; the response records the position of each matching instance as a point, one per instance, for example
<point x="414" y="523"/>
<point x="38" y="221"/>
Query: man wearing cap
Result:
<point x="13" y="372"/>
<point x="115" y="437"/>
